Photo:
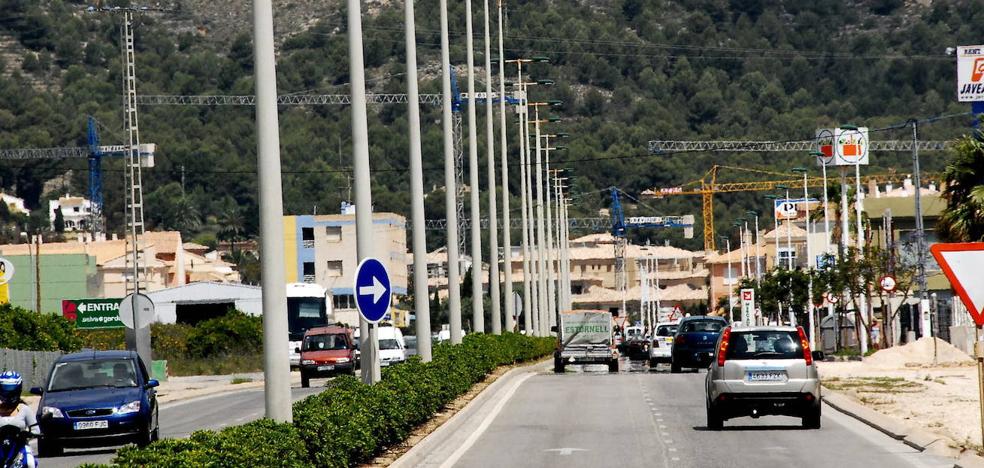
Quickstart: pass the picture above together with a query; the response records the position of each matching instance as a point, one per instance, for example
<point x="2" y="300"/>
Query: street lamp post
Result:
<point x="478" y="304"/>
<point x="496" y="315"/>
<point x="826" y="210"/>
<point x="858" y="195"/>
<point x="775" y="228"/>
<point x="789" y="232"/>
<point x="809" y="259"/>
<point x="731" y="280"/>
<point x="504" y="163"/>
<point x="758" y="255"/>
<point x="450" y="191"/>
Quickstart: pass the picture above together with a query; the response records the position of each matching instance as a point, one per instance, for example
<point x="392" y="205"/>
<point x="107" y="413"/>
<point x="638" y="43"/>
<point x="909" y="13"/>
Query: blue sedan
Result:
<point x="95" y="399"/>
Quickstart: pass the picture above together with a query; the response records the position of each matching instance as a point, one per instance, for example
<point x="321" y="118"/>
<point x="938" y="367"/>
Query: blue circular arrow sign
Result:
<point x="372" y="290"/>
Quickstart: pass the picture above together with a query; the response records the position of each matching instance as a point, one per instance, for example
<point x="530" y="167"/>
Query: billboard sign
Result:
<point x="747" y="306"/>
<point x="93" y="313"/>
<point x="970" y="73"/>
<point x="842" y="146"/>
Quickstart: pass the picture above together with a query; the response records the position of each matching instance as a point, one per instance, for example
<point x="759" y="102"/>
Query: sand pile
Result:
<point x="918" y="353"/>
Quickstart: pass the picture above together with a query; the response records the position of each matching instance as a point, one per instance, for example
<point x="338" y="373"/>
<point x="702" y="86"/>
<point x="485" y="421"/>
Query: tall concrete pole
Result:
<point x="551" y="264"/>
<point x="523" y="188"/>
<point x="731" y="285"/>
<point x="924" y="309"/>
<point x="758" y="254"/>
<point x="535" y="271"/>
<point x="421" y="300"/>
<point x="506" y="231"/>
<point x="863" y="300"/>
<point x="809" y="266"/>
<point x="496" y="315"/>
<point x="540" y="231"/>
<point x="450" y="204"/>
<point x="826" y="210"/>
<point x="363" y="189"/>
<point x="276" y="362"/>
<point x="789" y="240"/>
<point x="478" y="307"/>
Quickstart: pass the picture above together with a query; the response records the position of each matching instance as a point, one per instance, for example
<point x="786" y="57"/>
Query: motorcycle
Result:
<point x="12" y="442"/>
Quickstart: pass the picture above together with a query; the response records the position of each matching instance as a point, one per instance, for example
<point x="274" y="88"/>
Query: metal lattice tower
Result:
<point x="459" y="176"/>
<point x="134" y="186"/>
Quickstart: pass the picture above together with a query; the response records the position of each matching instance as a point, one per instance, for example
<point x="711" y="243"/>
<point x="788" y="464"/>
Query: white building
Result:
<point x="75" y="210"/>
<point x="14" y="204"/>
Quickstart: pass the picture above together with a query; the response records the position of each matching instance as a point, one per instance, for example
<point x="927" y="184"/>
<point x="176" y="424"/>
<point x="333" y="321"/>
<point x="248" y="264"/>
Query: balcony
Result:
<point x="309" y="279"/>
<point x="307" y="243"/>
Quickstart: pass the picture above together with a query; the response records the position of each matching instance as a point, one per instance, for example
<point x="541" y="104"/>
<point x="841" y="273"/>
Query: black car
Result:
<point x="97" y="398"/>
<point x="693" y="344"/>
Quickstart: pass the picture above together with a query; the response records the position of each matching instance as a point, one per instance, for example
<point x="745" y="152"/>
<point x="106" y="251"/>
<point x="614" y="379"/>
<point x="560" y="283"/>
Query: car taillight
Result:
<point x="723" y="348"/>
<point x="680" y="340"/>
<point x="805" y="343"/>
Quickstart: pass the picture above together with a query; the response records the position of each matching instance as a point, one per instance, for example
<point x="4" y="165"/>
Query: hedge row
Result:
<point x="30" y="331"/>
<point x="350" y="422"/>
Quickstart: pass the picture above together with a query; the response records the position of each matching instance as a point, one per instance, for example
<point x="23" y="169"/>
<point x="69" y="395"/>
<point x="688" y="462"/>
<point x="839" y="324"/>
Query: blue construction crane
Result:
<point x="93" y="152"/>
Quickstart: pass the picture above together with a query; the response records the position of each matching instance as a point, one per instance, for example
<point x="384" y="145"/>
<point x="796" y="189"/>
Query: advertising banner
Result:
<point x="93" y="313"/>
<point x="970" y="73"/>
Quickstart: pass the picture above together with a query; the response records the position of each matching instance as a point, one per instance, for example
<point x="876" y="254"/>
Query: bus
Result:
<point x="308" y="306"/>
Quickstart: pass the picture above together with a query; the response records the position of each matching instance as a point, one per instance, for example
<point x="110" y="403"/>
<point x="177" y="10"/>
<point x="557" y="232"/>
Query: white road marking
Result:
<point x="454" y="457"/>
<point x="566" y="451"/>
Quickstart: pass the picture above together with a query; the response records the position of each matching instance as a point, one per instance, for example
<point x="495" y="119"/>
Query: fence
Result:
<point x="32" y="365"/>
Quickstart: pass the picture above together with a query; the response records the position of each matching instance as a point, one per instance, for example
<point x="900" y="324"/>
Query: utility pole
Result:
<point x="551" y="266"/>
<point x="528" y="315"/>
<point x="731" y="285"/>
<point x="37" y="272"/>
<point x="363" y="190"/>
<point x="450" y="190"/>
<point x="276" y="365"/>
<point x="920" y="235"/>
<point x="478" y="307"/>
<point x="540" y="234"/>
<point x="490" y="155"/>
<point x="421" y="304"/>
<point x="506" y="231"/>
<point x="863" y="300"/>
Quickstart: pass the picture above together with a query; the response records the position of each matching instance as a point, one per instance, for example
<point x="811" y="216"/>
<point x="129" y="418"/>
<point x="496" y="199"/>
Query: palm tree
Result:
<point x="963" y="219"/>
<point x="233" y="224"/>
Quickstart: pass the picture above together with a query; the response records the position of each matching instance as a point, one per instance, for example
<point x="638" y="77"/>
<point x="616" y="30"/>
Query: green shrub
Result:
<point x="349" y="422"/>
<point x="30" y="331"/>
<point x="233" y="333"/>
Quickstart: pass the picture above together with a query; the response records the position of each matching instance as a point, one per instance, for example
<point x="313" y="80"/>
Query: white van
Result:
<point x="392" y="347"/>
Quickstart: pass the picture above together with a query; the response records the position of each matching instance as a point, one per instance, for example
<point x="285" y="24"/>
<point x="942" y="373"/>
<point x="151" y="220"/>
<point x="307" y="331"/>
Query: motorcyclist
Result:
<point x="15" y="412"/>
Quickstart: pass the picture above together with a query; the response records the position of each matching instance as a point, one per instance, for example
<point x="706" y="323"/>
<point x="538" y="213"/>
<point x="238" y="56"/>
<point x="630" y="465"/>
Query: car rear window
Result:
<point x="767" y="344"/>
<point x="666" y="330"/>
<point x="707" y="326"/>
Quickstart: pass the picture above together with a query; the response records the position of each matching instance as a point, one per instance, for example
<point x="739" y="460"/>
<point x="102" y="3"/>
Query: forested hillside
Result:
<point x="628" y="71"/>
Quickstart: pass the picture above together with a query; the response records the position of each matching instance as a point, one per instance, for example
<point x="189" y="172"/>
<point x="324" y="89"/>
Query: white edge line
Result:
<point x="454" y="457"/>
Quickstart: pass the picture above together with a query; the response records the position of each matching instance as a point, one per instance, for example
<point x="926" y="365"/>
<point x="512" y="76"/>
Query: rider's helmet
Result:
<point x="11" y="386"/>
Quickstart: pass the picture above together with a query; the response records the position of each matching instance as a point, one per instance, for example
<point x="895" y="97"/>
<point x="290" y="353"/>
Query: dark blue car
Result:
<point x="95" y="399"/>
<point x="693" y="344"/>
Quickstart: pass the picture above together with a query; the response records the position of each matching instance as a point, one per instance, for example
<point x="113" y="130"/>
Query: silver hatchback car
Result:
<point x="760" y="371"/>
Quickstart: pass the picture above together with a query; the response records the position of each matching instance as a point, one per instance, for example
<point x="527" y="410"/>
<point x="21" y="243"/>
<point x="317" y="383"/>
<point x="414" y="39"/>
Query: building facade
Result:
<point x="322" y="250"/>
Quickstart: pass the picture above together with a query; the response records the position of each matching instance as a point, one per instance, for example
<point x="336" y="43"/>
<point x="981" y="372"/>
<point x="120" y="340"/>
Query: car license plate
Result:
<point x="323" y="368"/>
<point x="766" y="376"/>
<point x="83" y="425"/>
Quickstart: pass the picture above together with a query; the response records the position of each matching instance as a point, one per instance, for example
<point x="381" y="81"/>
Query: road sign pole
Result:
<point x="979" y="356"/>
<point x="450" y="190"/>
<point x="360" y="165"/>
<point x="421" y="302"/>
<point x="276" y="362"/>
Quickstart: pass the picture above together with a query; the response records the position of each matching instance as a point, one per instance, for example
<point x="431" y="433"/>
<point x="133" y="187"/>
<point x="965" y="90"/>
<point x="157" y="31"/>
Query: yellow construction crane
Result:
<point x="708" y="185"/>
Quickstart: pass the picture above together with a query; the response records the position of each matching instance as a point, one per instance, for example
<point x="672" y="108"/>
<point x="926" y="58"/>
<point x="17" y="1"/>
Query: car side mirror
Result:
<point x="37" y="391"/>
<point x="818" y="356"/>
<point x="152" y="383"/>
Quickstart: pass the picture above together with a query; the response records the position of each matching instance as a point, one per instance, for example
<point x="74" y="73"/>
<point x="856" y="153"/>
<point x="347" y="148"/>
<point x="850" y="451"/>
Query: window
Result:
<point x="702" y="326"/>
<point x="767" y="344"/>
<point x="333" y="233"/>
<point x="97" y="373"/>
<point x="307" y="238"/>
<point x="308" y="272"/>
<point x="344" y="301"/>
<point x="76" y="209"/>
<point x="334" y="268"/>
<point x="730" y="278"/>
<point x="786" y="253"/>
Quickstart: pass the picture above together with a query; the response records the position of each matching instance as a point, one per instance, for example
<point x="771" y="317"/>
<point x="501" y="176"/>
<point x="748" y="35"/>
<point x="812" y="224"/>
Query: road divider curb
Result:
<point x="887" y="425"/>
<point x="918" y="439"/>
<point x="969" y="460"/>
<point x="445" y="441"/>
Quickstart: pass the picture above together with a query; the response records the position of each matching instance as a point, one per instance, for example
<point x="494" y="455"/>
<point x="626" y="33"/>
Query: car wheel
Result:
<point x="653" y="363"/>
<point x="812" y="419"/>
<point x="675" y="368"/>
<point x="145" y="437"/>
<point x="613" y="366"/>
<point x="714" y="419"/>
<point x="305" y="380"/>
<point x="49" y="448"/>
<point x="156" y="434"/>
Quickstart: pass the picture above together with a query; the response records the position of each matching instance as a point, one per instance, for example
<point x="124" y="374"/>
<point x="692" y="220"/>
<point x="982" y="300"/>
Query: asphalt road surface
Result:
<point x="180" y="419"/>
<point x="639" y="418"/>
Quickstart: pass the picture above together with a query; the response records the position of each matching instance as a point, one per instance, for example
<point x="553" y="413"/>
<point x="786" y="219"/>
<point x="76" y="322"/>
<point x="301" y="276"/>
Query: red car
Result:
<point x="327" y="351"/>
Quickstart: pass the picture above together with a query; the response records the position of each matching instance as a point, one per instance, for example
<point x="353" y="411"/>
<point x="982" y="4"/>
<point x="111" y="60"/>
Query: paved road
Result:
<point x="655" y="419"/>
<point x="180" y="419"/>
